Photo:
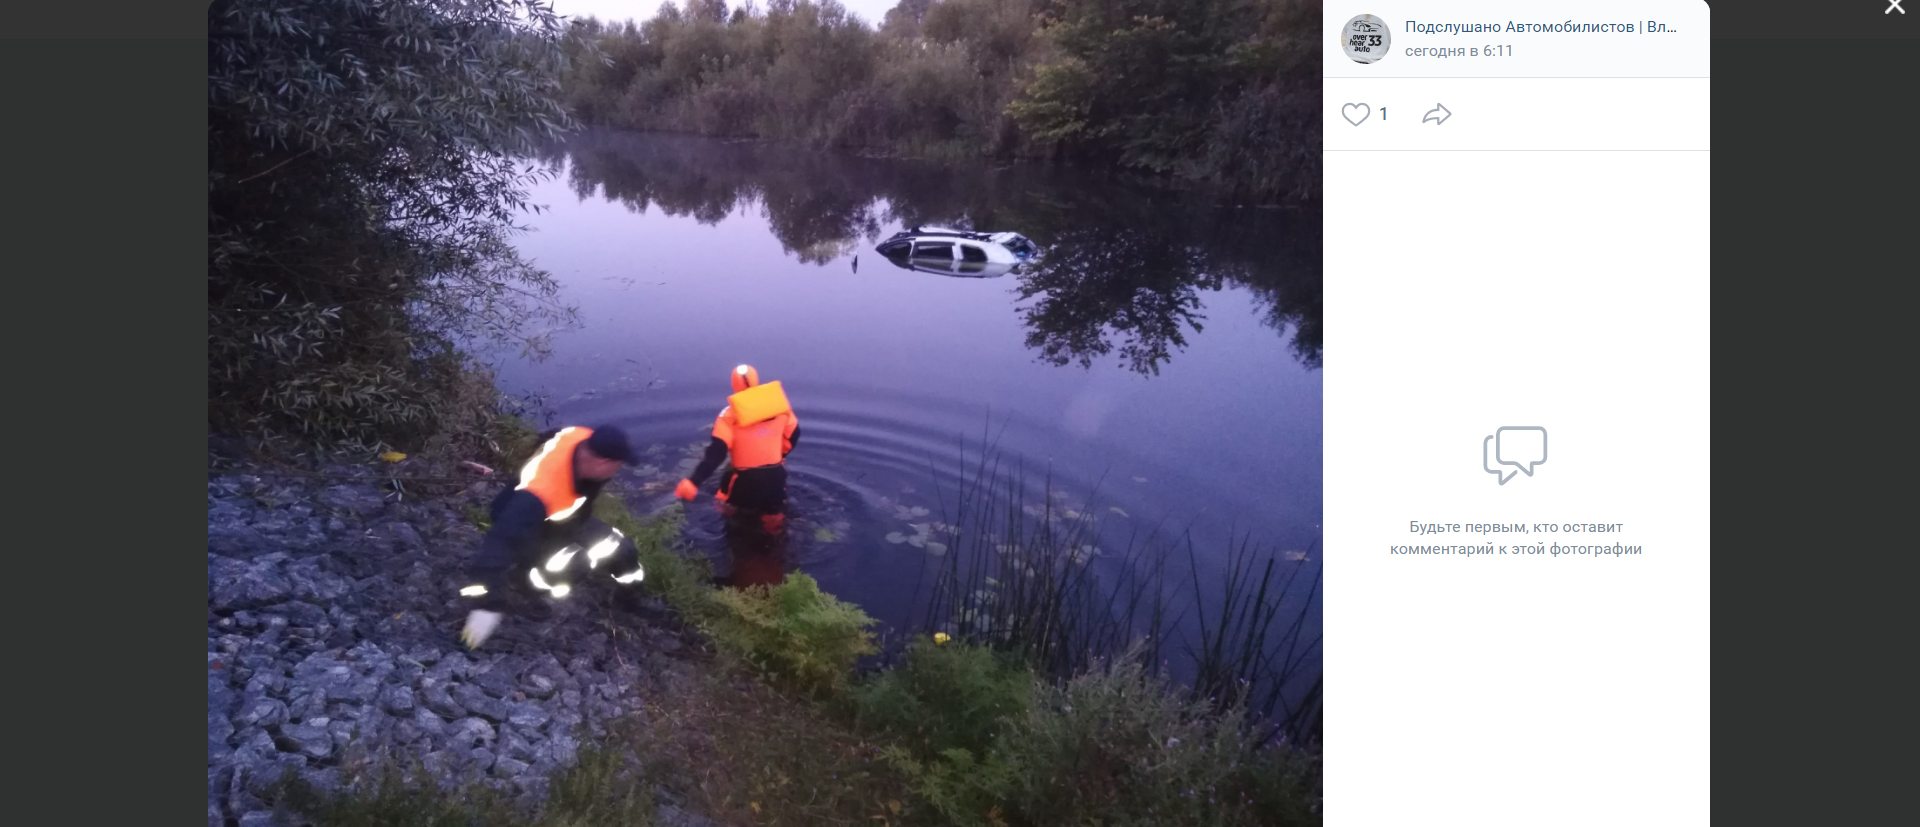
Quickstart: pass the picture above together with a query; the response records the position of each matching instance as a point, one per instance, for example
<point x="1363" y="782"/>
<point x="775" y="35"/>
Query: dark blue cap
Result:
<point x="609" y="442"/>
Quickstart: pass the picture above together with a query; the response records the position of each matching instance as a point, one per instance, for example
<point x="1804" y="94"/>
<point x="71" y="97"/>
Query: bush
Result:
<point x="945" y="697"/>
<point x="1115" y="746"/>
<point x="793" y="633"/>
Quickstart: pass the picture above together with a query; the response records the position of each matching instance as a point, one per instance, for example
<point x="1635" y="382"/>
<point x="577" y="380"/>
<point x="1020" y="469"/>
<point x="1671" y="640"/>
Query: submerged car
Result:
<point x="951" y="252"/>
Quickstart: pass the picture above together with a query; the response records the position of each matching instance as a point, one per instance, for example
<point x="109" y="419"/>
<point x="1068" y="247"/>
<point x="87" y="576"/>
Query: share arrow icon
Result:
<point x="1438" y="114"/>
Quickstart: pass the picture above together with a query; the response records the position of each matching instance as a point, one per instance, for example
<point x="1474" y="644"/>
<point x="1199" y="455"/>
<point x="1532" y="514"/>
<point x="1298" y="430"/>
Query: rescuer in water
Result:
<point x="544" y="535"/>
<point x="756" y="430"/>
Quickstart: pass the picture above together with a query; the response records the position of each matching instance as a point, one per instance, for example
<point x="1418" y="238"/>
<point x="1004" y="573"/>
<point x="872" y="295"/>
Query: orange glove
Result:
<point x="686" y="490"/>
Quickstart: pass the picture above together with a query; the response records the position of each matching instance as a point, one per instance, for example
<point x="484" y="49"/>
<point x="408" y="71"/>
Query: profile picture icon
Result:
<point x="1365" y="39"/>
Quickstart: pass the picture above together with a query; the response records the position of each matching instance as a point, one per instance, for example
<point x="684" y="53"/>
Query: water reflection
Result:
<point x="1124" y="265"/>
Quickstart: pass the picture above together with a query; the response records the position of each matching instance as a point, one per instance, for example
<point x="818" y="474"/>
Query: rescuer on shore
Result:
<point x="544" y="535"/>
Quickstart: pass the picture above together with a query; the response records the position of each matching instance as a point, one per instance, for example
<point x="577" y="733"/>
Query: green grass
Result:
<point x="601" y="789"/>
<point x="791" y="634"/>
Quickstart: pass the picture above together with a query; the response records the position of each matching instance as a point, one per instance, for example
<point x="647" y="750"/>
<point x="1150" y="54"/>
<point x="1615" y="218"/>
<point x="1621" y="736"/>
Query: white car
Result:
<point x="951" y="252"/>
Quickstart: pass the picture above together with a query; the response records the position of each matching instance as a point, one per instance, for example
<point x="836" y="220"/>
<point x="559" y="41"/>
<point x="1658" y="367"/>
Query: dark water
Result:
<point x="1160" y="361"/>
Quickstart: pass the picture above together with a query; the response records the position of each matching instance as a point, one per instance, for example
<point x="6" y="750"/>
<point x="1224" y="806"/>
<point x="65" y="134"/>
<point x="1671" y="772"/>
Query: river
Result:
<point x="1159" y="362"/>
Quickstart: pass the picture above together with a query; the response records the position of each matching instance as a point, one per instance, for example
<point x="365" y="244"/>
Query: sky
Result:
<point x="639" y="10"/>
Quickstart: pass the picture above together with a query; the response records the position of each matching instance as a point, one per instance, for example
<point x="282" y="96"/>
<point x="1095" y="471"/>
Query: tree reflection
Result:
<point x="1124" y="265"/>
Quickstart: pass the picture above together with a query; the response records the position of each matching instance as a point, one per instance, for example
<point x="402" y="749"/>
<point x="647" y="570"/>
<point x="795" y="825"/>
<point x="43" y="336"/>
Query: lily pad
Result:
<point x="919" y="511"/>
<point x="896" y="537"/>
<point x="917" y="541"/>
<point x="825" y="535"/>
<point x="1139" y="479"/>
<point x="936" y="549"/>
<point x="1295" y="556"/>
<point x="1073" y="515"/>
<point x="1117" y="510"/>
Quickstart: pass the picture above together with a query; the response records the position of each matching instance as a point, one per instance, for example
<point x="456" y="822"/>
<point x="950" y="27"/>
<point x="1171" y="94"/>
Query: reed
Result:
<point x="1021" y="577"/>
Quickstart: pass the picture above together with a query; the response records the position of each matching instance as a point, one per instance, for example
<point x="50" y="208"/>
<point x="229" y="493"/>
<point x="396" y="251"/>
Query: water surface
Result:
<point x="1159" y="361"/>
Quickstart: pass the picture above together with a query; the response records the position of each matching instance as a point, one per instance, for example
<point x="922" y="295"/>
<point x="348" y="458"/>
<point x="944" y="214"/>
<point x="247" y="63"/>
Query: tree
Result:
<point x="363" y="177"/>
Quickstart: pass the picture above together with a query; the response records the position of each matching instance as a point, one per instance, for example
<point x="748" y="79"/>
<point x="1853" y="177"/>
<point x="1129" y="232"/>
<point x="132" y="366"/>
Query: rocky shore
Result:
<point x="332" y="645"/>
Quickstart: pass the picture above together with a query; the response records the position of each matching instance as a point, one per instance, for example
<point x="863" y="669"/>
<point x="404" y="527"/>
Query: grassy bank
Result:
<point x="966" y="729"/>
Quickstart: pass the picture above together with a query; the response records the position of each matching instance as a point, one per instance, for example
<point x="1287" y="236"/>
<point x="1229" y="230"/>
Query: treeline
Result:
<point x="1222" y="91"/>
<point x="1125" y="268"/>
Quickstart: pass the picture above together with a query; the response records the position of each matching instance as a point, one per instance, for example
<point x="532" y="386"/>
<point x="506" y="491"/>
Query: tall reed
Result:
<point x="1021" y="577"/>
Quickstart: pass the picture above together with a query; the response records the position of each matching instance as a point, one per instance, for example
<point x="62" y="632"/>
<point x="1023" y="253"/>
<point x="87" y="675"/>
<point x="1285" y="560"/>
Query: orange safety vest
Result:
<point x="549" y="475"/>
<point x="763" y="443"/>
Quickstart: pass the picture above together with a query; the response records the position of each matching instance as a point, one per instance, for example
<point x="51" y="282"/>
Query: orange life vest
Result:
<point x="549" y="475"/>
<point x="763" y="443"/>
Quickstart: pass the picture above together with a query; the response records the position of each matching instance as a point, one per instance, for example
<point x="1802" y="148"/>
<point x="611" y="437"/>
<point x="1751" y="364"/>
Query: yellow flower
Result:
<point x="941" y="637"/>
<point x="393" y="456"/>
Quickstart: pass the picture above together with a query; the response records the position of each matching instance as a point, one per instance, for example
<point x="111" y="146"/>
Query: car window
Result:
<point x="970" y="252"/>
<point x="933" y="249"/>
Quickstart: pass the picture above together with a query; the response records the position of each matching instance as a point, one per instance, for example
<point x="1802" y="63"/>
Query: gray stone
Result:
<point x="508" y="768"/>
<point x="470" y="731"/>
<point x="300" y="614"/>
<point x="513" y="744"/>
<point x="439" y="763"/>
<point x="407" y="732"/>
<point x="478" y="703"/>
<point x="258" y="818"/>
<point x="428" y="722"/>
<point x="404" y="536"/>
<point x="356" y="501"/>
<point x="260" y="710"/>
<point x="307" y="740"/>
<point x="308" y="580"/>
<point x="537" y="685"/>
<point x="566" y="719"/>
<point x="562" y="748"/>
<point x="497" y="681"/>
<point x="397" y="700"/>
<point x="220" y="696"/>
<point x="353" y="690"/>
<point x="342" y="732"/>
<point x="528" y="715"/>
<point x="233" y="540"/>
<point x="406" y="674"/>
<point x="481" y="758"/>
<point x="570" y="699"/>
<point x="257" y="743"/>
<point x="439" y="700"/>
<point x="308" y="705"/>
<point x="235" y="584"/>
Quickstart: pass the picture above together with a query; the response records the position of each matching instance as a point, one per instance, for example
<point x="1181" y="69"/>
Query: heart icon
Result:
<point x="1355" y="113"/>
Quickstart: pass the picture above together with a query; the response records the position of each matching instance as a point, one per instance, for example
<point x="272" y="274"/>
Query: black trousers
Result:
<point x="559" y="563"/>
<point x="761" y="490"/>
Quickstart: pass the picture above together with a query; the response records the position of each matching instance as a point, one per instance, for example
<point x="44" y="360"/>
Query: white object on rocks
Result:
<point x="480" y="626"/>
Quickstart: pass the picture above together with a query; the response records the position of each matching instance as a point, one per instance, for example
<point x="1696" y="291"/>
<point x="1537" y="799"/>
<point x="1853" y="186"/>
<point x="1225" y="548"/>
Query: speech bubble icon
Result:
<point x="1486" y="461"/>
<point x="1521" y="446"/>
